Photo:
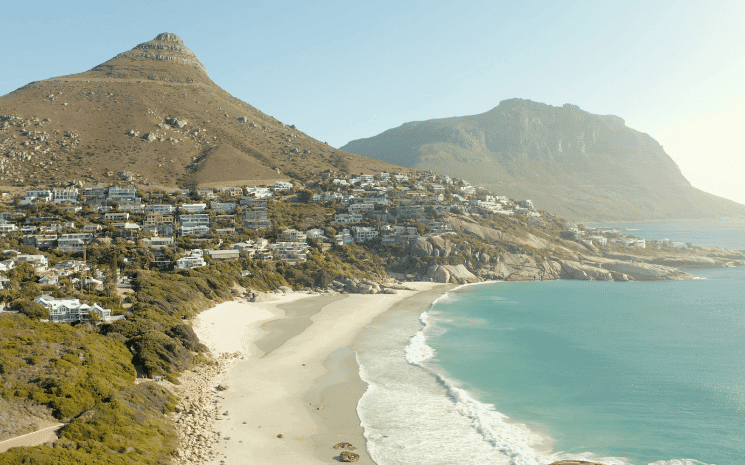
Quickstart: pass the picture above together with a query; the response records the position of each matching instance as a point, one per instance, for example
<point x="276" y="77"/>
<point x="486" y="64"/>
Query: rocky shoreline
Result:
<point x="197" y="409"/>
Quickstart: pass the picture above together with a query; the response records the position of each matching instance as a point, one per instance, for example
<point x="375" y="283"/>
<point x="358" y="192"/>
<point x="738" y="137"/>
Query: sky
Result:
<point x="343" y="70"/>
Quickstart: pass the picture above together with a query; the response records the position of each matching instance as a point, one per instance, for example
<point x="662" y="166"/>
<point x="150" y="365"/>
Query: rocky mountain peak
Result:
<point x="169" y="37"/>
<point x="165" y="47"/>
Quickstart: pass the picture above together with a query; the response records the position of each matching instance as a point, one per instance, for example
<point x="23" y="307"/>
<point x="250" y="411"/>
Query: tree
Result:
<point x="31" y="309"/>
<point x="304" y="196"/>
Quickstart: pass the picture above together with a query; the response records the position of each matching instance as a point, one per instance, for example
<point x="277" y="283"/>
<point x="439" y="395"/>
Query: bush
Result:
<point x="31" y="309"/>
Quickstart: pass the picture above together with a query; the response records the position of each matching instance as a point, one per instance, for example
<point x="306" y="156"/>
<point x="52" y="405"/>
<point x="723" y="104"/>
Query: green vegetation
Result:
<point x="86" y="379"/>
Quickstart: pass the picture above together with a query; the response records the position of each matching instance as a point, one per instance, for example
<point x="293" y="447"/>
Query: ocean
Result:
<point x="534" y="372"/>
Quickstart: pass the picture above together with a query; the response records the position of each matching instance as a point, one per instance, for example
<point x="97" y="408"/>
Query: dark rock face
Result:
<point x="568" y="161"/>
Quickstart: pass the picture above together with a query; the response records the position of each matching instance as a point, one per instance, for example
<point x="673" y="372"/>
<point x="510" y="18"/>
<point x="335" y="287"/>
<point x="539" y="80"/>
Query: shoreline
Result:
<point x="290" y="377"/>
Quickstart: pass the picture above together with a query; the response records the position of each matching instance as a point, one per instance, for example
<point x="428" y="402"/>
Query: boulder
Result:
<point x="177" y="122"/>
<point x="347" y="456"/>
<point x="344" y="445"/>
<point x="456" y="274"/>
<point x="421" y="248"/>
<point x="149" y="137"/>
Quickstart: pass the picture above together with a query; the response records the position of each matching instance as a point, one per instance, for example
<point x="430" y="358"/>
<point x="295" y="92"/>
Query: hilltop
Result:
<point x="576" y="164"/>
<point x="153" y="116"/>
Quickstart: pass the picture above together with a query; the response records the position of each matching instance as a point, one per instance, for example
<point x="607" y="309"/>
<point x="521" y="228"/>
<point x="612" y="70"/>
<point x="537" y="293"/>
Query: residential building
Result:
<point x="344" y="237"/>
<point x="161" y="208"/>
<point x="43" y="241"/>
<point x="231" y="191"/>
<point x="259" y="192"/>
<point x="94" y="192"/>
<point x="364" y="233"/>
<point x="193" y="207"/>
<point x="116" y="216"/>
<point x="159" y="242"/>
<point x="256" y="220"/>
<point x="220" y="255"/>
<point x="281" y="186"/>
<point x="71" y="310"/>
<point x="74" y="242"/>
<point x="120" y="194"/>
<point x="158" y="218"/>
<point x="347" y="218"/>
<point x="159" y="229"/>
<point x="194" y="259"/>
<point x="195" y="219"/>
<point x="290" y="251"/>
<point x="227" y="207"/>
<point x="293" y="235"/>
<point x="198" y="230"/>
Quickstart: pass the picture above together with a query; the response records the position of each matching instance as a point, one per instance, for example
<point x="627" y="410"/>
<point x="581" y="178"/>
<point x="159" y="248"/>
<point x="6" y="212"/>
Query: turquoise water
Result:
<point x="530" y="373"/>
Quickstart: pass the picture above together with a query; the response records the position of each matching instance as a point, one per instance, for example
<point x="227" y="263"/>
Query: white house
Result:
<point x="193" y="207"/>
<point x="71" y="310"/>
<point x="344" y="238"/>
<point x="281" y="186"/>
<point x="364" y="233"/>
<point x="194" y="259"/>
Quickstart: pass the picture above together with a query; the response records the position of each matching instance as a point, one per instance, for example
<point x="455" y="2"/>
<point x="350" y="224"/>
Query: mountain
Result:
<point x="568" y="161"/>
<point x="153" y="116"/>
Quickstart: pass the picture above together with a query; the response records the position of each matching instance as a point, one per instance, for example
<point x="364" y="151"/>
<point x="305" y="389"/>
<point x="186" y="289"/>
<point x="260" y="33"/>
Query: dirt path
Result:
<point x="36" y="438"/>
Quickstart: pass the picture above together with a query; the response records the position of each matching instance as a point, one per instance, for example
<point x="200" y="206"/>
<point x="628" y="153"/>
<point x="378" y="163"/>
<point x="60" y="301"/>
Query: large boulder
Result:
<point x="455" y="274"/>
<point x="421" y="248"/>
<point x="582" y="271"/>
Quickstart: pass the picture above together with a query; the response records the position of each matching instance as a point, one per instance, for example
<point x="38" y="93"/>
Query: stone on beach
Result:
<point x="347" y="456"/>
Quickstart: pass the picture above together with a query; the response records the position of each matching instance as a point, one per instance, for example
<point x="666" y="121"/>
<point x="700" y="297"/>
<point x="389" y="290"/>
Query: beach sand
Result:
<point x="296" y="375"/>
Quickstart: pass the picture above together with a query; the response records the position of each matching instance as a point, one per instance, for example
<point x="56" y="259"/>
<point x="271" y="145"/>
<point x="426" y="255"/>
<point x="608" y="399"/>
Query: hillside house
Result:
<point x="71" y="310"/>
<point x="74" y="242"/>
<point x="282" y="186"/>
<point x="159" y="229"/>
<point x="222" y="255"/>
<point x="159" y="242"/>
<point x="194" y="230"/>
<point x="193" y="207"/>
<point x="116" y="216"/>
<point x="162" y="208"/>
<point x="259" y="192"/>
<point x="194" y="259"/>
<point x="364" y="233"/>
<point x="256" y="220"/>
<point x="343" y="238"/>
<point x="196" y="219"/>
<point x="347" y="218"/>
<point x="121" y="194"/>
<point x="225" y="207"/>
<point x="231" y="191"/>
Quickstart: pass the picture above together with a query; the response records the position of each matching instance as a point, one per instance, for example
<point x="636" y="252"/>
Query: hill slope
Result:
<point x="568" y="161"/>
<point x="152" y="112"/>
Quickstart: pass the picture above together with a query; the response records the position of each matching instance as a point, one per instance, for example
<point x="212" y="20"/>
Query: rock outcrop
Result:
<point x="454" y="274"/>
<point x="646" y="271"/>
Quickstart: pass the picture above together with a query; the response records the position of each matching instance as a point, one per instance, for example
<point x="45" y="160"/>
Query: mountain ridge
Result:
<point x="569" y="161"/>
<point x="118" y="117"/>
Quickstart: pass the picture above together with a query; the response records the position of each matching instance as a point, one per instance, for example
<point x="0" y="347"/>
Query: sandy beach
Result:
<point x="289" y="371"/>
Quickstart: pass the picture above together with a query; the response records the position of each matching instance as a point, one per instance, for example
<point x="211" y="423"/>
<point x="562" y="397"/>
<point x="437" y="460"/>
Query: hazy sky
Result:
<point x="346" y="70"/>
